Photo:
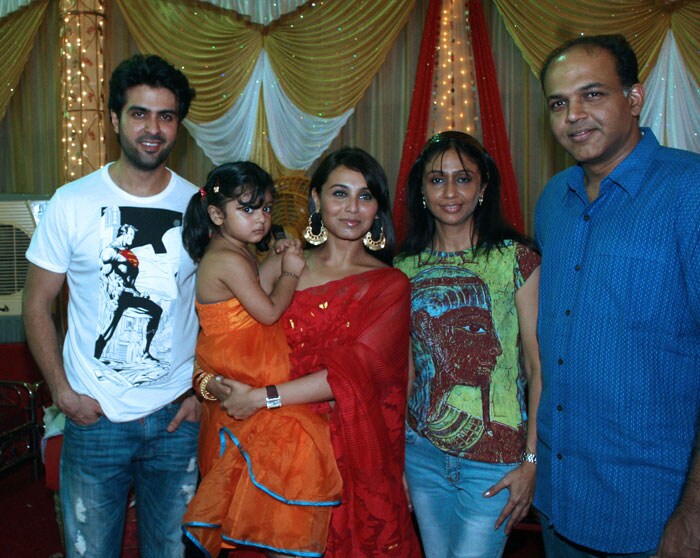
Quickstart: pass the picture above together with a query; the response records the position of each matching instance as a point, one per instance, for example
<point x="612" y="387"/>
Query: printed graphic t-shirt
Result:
<point x="468" y="398"/>
<point x="131" y="322"/>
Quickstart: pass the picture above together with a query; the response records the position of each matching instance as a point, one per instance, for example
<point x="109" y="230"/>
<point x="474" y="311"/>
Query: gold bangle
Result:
<point x="289" y="274"/>
<point x="203" y="388"/>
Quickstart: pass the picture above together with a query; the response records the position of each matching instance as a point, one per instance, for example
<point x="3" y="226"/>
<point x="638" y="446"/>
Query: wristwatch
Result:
<point x="529" y="457"/>
<point x="273" y="399"/>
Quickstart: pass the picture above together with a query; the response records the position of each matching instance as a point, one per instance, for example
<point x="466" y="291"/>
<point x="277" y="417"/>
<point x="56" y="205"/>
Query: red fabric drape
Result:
<point x="417" y="128"/>
<point x="492" y="122"/>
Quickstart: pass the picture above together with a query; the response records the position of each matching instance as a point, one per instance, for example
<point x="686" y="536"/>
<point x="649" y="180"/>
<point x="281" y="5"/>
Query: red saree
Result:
<point x="358" y="329"/>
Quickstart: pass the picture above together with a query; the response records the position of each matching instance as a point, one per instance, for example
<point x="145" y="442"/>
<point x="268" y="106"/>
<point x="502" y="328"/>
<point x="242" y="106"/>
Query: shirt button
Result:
<point x="568" y="313"/>
<point x="560" y="361"/>
<point x="577" y="267"/>
<point x="560" y="408"/>
<point x="586" y="217"/>
<point x="559" y="456"/>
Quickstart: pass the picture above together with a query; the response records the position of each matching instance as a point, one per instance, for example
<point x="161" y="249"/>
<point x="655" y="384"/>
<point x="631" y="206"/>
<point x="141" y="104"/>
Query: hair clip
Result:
<point x="216" y="189"/>
<point x="202" y="193"/>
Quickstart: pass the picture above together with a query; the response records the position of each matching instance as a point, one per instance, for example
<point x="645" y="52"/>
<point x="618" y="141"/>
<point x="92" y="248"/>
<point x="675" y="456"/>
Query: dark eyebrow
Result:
<point x="144" y="109"/>
<point x="587" y="87"/>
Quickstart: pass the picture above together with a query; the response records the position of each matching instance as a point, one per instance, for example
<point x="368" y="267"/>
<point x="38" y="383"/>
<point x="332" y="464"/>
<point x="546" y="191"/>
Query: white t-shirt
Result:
<point x="132" y="327"/>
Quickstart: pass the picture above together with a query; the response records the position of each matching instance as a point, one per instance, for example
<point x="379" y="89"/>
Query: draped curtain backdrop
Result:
<point x="665" y="35"/>
<point x="19" y="22"/>
<point x="276" y="94"/>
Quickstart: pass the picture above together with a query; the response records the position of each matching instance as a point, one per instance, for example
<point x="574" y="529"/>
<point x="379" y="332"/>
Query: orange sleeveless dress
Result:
<point x="269" y="481"/>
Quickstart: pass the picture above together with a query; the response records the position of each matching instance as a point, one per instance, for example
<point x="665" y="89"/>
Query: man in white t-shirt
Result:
<point x="123" y="380"/>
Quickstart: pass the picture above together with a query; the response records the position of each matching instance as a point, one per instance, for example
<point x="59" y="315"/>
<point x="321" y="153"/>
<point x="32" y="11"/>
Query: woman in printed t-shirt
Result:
<point x="471" y="431"/>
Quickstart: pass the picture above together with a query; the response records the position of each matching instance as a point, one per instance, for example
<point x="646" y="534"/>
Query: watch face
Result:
<point x="273" y="403"/>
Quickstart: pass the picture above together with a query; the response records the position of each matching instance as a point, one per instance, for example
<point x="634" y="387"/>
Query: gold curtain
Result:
<point x="17" y="32"/>
<point x="539" y="26"/>
<point x="324" y="54"/>
<point x="30" y="132"/>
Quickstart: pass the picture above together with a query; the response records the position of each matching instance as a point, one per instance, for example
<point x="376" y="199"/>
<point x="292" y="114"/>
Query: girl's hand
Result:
<point x="242" y="400"/>
<point x="284" y="244"/>
<point x="293" y="261"/>
<point x="217" y="388"/>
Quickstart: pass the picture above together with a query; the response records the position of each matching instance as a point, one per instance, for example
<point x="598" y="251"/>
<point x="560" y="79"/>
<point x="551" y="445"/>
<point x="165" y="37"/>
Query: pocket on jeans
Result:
<point x="91" y="426"/>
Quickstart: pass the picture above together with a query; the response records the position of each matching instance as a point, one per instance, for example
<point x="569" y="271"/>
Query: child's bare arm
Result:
<point x="239" y="275"/>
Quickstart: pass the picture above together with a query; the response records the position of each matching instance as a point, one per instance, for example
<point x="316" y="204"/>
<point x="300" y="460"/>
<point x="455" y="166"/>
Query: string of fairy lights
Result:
<point x="82" y="98"/>
<point x="455" y="100"/>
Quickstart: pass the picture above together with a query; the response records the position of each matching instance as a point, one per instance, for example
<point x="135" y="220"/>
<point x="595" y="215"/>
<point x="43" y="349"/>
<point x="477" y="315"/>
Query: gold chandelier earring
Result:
<point x="315" y="223"/>
<point x="370" y="243"/>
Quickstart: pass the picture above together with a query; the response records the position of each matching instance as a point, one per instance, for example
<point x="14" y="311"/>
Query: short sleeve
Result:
<point x="526" y="261"/>
<point x="50" y="247"/>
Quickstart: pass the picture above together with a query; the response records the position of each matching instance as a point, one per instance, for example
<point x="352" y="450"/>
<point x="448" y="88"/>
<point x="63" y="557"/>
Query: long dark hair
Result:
<point x="490" y="227"/>
<point x="243" y="181"/>
<point x="360" y="161"/>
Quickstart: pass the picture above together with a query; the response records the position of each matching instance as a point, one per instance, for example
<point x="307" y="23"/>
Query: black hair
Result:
<point x="243" y="181"/>
<point x="358" y="160"/>
<point x="625" y="59"/>
<point x="490" y="226"/>
<point x="151" y="70"/>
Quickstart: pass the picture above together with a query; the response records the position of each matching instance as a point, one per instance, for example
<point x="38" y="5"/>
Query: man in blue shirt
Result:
<point x="619" y="323"/>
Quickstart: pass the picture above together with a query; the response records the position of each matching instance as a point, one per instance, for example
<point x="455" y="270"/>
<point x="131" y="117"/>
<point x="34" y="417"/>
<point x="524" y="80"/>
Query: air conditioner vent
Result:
<point x="13" y="263"/>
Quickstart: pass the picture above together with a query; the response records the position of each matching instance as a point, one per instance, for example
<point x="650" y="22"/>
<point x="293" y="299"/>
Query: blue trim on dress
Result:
<point x="225" y="431"/>
<point x="266" y="547"/>
<point x="194" y="539"/>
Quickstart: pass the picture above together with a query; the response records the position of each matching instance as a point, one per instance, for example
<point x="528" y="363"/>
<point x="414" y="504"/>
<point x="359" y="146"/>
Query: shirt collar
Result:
<point x="628" y="175"/>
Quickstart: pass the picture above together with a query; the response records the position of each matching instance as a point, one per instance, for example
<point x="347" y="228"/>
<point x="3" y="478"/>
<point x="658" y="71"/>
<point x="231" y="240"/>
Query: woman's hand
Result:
<point x="242" y="401"/>
<point x="521" y="484"/>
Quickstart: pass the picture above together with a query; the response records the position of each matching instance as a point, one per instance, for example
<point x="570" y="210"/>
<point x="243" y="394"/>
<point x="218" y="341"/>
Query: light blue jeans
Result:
<point x="454" y="518"/>
<point x="101" y="461"/>
<point x="556" y="546"/>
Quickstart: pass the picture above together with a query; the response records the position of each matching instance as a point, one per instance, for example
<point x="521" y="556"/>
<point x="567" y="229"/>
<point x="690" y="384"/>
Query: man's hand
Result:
<point x="521" y="484"/>
<point x="81" y="409"/>
<point x="190" y="409"/>
<point x="681" y="538"/>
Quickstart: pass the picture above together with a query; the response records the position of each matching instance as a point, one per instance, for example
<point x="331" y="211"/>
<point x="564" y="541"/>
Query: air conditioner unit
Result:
<point x="19" y="215"/>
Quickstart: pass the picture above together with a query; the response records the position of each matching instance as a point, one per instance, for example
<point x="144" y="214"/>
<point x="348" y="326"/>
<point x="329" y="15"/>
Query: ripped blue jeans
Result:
<point x="99" y="464"/>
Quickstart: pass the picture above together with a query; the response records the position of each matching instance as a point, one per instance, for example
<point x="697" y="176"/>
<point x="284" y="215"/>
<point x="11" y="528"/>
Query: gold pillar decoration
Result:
<point x="83" y="86"/>
<point x="455" y="101"/>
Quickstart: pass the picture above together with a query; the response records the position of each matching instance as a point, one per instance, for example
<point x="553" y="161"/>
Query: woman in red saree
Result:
<point x="348" y="330"/>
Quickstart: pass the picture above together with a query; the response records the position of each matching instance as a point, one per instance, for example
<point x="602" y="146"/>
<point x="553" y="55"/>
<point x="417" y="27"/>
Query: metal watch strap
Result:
<point x="273" y="399"/>
<point x="529" y="457"/>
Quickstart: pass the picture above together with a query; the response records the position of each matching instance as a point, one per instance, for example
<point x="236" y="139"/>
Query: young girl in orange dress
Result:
<point x="270" y="481"/>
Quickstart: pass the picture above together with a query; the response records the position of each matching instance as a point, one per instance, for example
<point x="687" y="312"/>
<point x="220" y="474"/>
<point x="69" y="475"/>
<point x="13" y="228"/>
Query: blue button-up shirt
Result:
<point x="619" y="333"/>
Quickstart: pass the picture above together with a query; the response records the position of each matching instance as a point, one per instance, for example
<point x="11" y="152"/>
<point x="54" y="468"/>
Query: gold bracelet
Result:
<point x="289" y="274"/>
<point x="203" y="388"/>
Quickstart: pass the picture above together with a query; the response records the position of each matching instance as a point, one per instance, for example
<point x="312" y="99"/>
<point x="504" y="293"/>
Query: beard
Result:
<point x="144" y="161"/>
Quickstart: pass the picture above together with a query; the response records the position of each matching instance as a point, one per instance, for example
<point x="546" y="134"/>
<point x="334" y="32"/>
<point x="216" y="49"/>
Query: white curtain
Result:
<point x="672" y="100"/>
<point x="296" y="137"/>
<point x="9" y="6"/>
<point x="262" y="12"/>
